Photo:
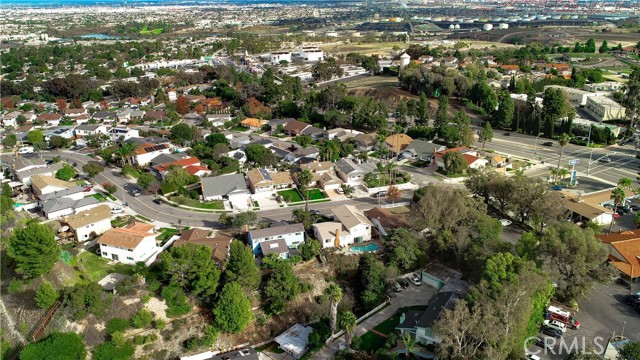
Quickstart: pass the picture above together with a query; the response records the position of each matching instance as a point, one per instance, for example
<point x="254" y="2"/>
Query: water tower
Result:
<point x="405" y="59"/>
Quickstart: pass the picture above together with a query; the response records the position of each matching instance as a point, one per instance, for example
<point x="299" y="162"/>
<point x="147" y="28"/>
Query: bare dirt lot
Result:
<point x="384" y="88"/>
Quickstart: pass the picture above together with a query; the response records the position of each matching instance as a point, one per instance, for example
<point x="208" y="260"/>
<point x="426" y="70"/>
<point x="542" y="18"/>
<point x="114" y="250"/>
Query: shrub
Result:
<point x="145" y="298"/>
<point x="15" y="285"/>
<point x="159" y="324"/>
<point x="176" y="301"/>
<point x="142" y="319"/>
<point x="117" y="325"/>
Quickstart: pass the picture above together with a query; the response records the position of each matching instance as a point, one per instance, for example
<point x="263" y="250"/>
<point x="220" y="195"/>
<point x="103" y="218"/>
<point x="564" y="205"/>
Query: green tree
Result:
<point x="34" y="249"/>
<point x="590" y="46"/>
<point x="146" y="179"/>
<point x="46" y="295"/>
<point x="58" y="142"/>
<point x="57" y="346"/>
<point x="9" y="140"/>
<point x="303" y="140"/>
<point x="618" y="195"/>
<point x="373" y="280"/>
<point x="630" y="351"/>
<point x="348" y="322"/>
<point x="305" y="178"/>
<point x="181" y="133"/>
<point x="66" y="173"/>
<point x="486" y="134"/>
<point x="405" y="250"/>
<point x="303" y="217"/>
<point x="142" y="319"/>
<point x="245" y="219"/>
<point x="191" y="267"/>
<point x="232" y="312"/>
<point x="631" y="98"/>
<point x="442" y="114"/>
<point x="92" y="168"/>
<point x="117" y="325"/>
<point x="604" y="48"/>
<point x="85" y="299"/>
<point x="334" y="294"/>
<point x="241" y="266"/>
<point x="279" y="287"/>
<point x="562" y="141"/>
<point x="576" y="257"/>
<point x="422" y="110"/>
<point x="454" y="163"/>
<point x="260" y="155"/>
<point x="506" y="110"/>
<point x="465" y="133"/>
<point x="114" y="350"/>
<point x="35" y="136"/>
<point x="309" y="249"/>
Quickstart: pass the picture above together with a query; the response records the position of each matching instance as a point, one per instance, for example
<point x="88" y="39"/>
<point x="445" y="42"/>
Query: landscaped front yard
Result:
<point x="210" y="205"/>
<point x="290" y="195"/>
<point x="166" y="234"/>
<point x="315" y="194"/>
<point x="98" y="196"/>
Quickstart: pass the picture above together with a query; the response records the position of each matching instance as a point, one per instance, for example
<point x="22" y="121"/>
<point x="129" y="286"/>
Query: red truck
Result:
<point x="556" y="313"/>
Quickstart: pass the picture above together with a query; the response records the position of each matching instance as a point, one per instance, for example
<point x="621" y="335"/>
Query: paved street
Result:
<point x="623" y="162"/>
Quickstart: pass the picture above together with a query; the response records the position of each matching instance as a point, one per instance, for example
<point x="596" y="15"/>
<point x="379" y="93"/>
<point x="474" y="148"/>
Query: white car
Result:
<point x="415" y="280"/>
<point x="555" y="324"/>
<point x="533" y="357"/>
<point x="117" y="210"/>
<point x="505" y="222"/>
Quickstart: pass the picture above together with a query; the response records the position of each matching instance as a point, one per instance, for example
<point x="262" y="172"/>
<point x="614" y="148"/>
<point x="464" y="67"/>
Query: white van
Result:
<point x="26" y="150"/>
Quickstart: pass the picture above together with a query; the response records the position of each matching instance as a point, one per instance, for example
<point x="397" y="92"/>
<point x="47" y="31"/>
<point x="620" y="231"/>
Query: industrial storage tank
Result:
<point x="503" y="26"/>
<point x="573" y="17"/>
<point x="451" y="27"/>
<point x="428" y="18"/>
<point x="582" y="17"/>
<point x="556" y="17"/>
<point x="487" y="27"/>
<point x="496" y="19"/>
<point x="457" y="27"/>
<point x="564" y="17"/>
<point x="437" y="18"/>
<point x="483" y="20"/>
<point x="451" y="18"/>
<point x="469" y="21"/>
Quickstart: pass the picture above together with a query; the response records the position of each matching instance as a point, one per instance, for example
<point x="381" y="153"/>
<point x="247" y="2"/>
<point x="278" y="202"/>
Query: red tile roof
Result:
<point x="181" y="163"/>
<point x="194" y="169"/>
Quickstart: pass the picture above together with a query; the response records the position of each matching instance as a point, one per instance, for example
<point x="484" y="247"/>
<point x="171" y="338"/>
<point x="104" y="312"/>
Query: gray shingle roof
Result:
<point x="61" y="193"/>
<point x="58" y="204"/>
<point x="48" y="170"/>
<point x="223" y="185"/>
<point x="275" y="231"/>
<point x="421" y="147"/>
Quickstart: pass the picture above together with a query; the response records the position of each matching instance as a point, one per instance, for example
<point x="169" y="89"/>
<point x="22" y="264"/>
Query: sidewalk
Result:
<point x="413" y="295"/>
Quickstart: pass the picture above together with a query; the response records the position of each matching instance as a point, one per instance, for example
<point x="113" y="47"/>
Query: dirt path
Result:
<point x="10" y="324"/>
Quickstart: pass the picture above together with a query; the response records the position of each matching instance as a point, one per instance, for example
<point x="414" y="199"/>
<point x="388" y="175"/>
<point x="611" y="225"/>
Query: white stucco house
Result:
<point x="293" y="235"/>
<point x="350" y="226"/>
<point x="227" y="187"/>
<point x="146" y="152"/>
<point x="88" y="223"/>
<point x="128" y="245"/>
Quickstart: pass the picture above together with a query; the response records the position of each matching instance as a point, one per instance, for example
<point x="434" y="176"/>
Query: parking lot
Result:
<point x="601" y="316"/>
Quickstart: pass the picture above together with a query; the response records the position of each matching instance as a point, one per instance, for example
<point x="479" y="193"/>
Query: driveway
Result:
<point x="411" y="296"/>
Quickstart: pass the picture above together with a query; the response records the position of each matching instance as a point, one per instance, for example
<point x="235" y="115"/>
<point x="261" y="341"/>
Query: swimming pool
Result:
<point x="365" y="248"/>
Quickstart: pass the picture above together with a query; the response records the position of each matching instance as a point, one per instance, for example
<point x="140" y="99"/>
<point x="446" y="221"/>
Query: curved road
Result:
<point x="145" y="206"/>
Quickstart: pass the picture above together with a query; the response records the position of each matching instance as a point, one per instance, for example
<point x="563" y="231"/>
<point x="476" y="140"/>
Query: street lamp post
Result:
<point x="535" y="146"/>
<point x="589" y="138"/>
<point x="589" y="164"/>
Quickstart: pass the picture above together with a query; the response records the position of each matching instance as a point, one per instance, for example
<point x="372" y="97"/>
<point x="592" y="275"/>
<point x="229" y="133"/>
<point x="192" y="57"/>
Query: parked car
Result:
<point x="605" y="159"/>
<point x="117" y="210"/>
<point x="635" y="207"/>
<point x="548" y="143"/>
<point x="397" y="287"/>
<point x="134" y="192"/>
<point x="507" y="134"/>
<point x="415" y="280"/>
<point x="555" y="333"/>
<point x="87" y="188"/>
<point x="632" y="299"/>
<point x="380" y="194"/>
<point x="555" y="324"/>
<point x="533" y="357"/>
<point x="505" y="222"/>
<point x="404" y="283"/>
<point x="557" y="187"/>
<point x="340" y="191"/>
<point x="314" y="212"/>
<point x="158" y="201"/>
<point x="616" y="215"/>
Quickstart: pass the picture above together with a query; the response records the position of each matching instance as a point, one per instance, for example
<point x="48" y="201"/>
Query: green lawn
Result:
<point x="315" y="194"/>
<point x="93" y="267"/>
<point x="143" y="218"/>
<point x="146" y="31"/>
<point x="210" y="205"/>
<point x="291" y="195"/>
<point x="388" y="326"/>
<point x="372" y="341"/>
<point x="98" y="196"/>
<point x="239" y="128"/>
<point x="166" y="234"/>
<point x="120" y="221"/>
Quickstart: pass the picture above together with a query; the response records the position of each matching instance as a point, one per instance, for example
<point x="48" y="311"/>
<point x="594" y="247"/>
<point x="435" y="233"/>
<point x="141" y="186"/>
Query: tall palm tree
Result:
<point x="304" y="178"/>
<point x="410" y="345"/>
<point x="348" y="323"/>
<point x="618" y="195"/>
<point x="334" y="292"/>
<point x="563" y="141"/>
<point x="125" y="151"/>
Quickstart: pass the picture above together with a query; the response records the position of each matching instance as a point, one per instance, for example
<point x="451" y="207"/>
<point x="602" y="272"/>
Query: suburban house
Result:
<point x="352" y="171"/>
<point x="276" y="247"/>
<point x="191" y="164"/>
<point x="49" y="119"/>
<point x="302" y="153"/>
<point x="64" y="132"/>
<point x="350" y="226"/>
<point x="263" y="181"/>
<point x="624" y="253"/>
<point x="124" y="133"/>
<point x="366" y="142"/>
<point x="253" y="123"/>
<point x="73" y="113"/>
<point x="42" y="185"/>
<point x="220" y="244"/>
<point x="10" y="119"/>
<point x="238" y="155"/>
<point x="23" y="164"/>
<point x="91" y="129"/>
<point x="128" y="245"/>
<point x="146" y="152"/>
<point x="246" y="354"/>
<point x="218" y="120"/>
<point x="314" y="132"/>
<point x="421" y="150"/>
<point x="55" y="207"/>
<point x="293" y="235"/>
<point x="419" y="323"/>
<point x="295" y="127"/>
<point x="295" y="340"/>
<point x="384" y="220"/>
<point x="397" y="142"/>
<point x="341" y="134"/>
<point x="105" y="116"/>
<point x="25" y="176"/>
<point x="89" y="223"/>
<point x="227" y="187"/>
<point x="470" y="156"/>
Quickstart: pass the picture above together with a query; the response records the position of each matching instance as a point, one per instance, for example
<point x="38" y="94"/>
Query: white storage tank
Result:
<point x="311" y="54"/>
<point x="451" y="18"/>
<point x="487" y="27"/>
<point x="496" y="19"/>
<point x="555" y="17"/>
<point x="405" y="59"/>
<point x="573" y="17"/>
<point x="437" y="18"/>
<point x="503" y="26"/>
<point x="451" y="27"/>
<point x="456" y="26"/>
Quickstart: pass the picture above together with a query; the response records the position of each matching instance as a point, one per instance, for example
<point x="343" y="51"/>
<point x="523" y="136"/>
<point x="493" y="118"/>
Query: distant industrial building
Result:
<point x="278" y="56"/>
<point x="577" y="97"/>
<point x="605" y="109"/>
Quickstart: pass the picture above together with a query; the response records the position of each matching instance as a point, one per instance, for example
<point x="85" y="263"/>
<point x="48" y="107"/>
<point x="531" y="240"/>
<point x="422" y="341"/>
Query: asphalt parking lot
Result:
<point x="601" y="316"/>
